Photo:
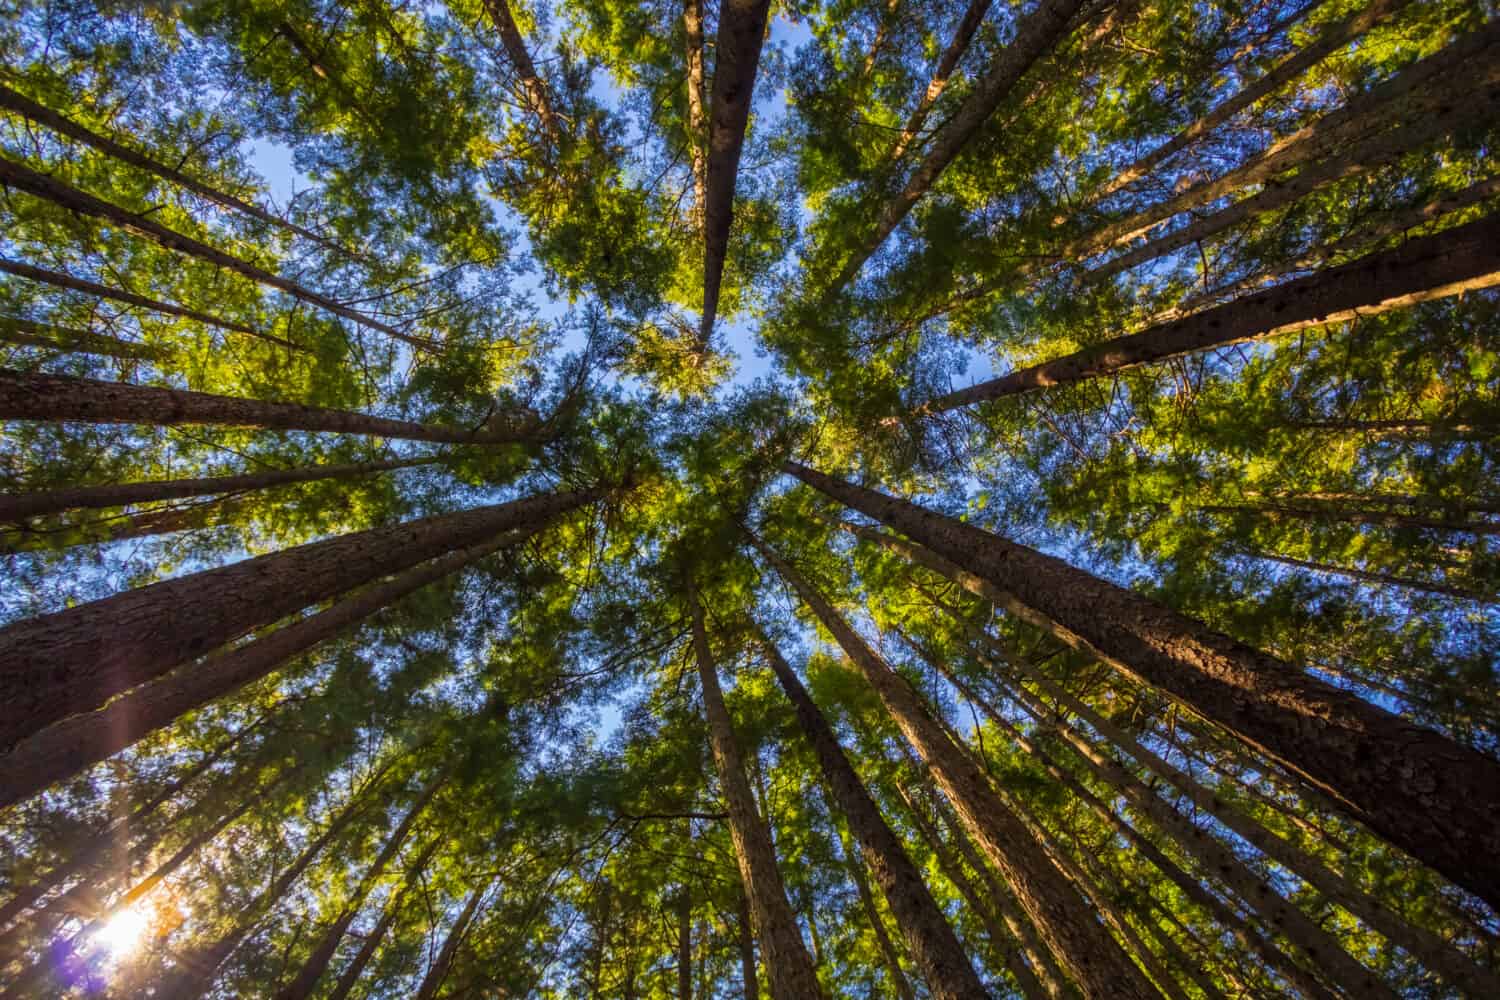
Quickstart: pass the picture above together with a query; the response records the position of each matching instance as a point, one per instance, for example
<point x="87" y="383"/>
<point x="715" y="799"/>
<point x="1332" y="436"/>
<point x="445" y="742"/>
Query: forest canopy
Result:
<point x="901" y="499"/>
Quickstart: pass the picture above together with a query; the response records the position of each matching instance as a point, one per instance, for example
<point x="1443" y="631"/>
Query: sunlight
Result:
<point x="123" y="933"/>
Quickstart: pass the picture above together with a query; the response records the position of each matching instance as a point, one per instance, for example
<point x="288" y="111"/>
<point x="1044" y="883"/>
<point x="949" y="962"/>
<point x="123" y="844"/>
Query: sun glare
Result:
<point x="123" y="932"/>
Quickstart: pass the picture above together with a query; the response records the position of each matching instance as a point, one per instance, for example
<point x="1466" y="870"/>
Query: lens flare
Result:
<point x="123" y="932"/>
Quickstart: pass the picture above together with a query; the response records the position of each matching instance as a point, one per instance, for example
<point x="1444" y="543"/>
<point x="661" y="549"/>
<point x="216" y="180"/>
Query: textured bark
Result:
<point x="888" y="954"/>
<point x="105" y="530"/>
<point x="10" y="100"/>
<point x="23" y="178"/>
<point x="1064" y="920"/>
<point x="301" y="987"/>
<point x="788" y="966"/>
<point x="75" y="660"/>
<point x="16" y="506"/>
<point x="1382" y="579"/>
<point x="1465" y="258"/>
<point x="433" y="981"/>
<point x="59" y="280"/>
<point x="1333" y="38"/>
<point x="38" y="396"/>
<point x="520" y="58"/>
<point x="26" y="333"/>
<point x="748" y="979"/>
<point x="684" y="944"/>
<point x="1423" y="945"/>
<point x="742" y="29"/>
<point x="697" y="104"/>
<point x="1418" y="789"/>
<point x="350" y="976"/>
<point x="957" y="46"/>
<point x="1035" y="35"/>
<point x="929" y="939"/>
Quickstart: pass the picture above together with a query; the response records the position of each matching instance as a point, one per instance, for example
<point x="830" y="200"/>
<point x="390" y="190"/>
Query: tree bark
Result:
<point x="1423" y="792"/>
<point x="957" y="46"/>
<point x="23" y="178"/>
<point x="697" y="103"/>
<point x="520" y="58"/>
<point x="433" y="981"/>
<point x="1036" y="34"/>
<point x="38" y="396"/>
<point x="1465" y="258"/>
<point x="1347" y="515"/>
<point x="356" y="967"/>
<point x="22" y="105"/>
<point x="748" y="978"/>
<point x="59" y="280"/>
<point x="742" y="29"/>
<point x="1062" y="917"/>
<point x="929" y="937"/>
<point x="312" y="970"/>
<point x="883" y="944"/>
<point x="75" y="660"/>
<point x="788" y="966"/>
<point x="1380" y="579"/>
<point x="26" y="333"/>
<point x="108" y="530"/>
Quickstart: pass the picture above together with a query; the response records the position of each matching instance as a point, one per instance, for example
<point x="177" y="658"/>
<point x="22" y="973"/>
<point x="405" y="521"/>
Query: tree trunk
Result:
<point x="38" y="396"/>
<point x="788" y="967"/>
<point x="10" y="100"/>
<point x="75" y="660"/>
<point x="1465" y="258"/>
<point x="957" y="46"/>
<point x="1484" y="428"/>
<point x="883" y="943"/>
<point x="59" y="280"/>
<point x="29" y="334"/>
<point x="1333" y="38"/>
<point x="531" y="83"/>
<point x="684" y="944"/>
<point x="110" y="529"/>
<point x="23" y="178"/>
<point x="1423" y="792"/>
<point x="748" y="978"/>
<point x="15" y="507"/>
<point x="1036" y="33"/>
<point x="350" y="976"/>
<point x="1347" y="515"/>
<point x="697" y="117"/>
<point x="1064" y="920"/>
<point x="1423" y="945"/>
<point x="433" y="981"/>
<point x="742" y="29"/>
<point x="1380" y="579"/>
<point x="929" y="938"/>
<point x="312" y="970"/>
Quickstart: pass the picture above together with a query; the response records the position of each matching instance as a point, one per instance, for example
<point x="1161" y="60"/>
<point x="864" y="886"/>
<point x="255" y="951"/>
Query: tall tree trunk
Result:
<point x="888" y="955"/>
<point x="350" y="976"/>
<point x="10" y="100"/>
<point x="1036" y="34"/>
<point x="520" y="58"/>
<point x="433" y="981"/>
<point x="301" y="987"/>
<point x="38" y="396"/>
<point x="684" y="944"/>
<point x="75" y="660"/>
<point x="742" y="29"/>
<point x="1465" y="258"/>
<point x="748" y="979"/>
<point x="957" y="46"/>
<point x="107" y="530"/>
<point x="16" y="506"/>
<point x="1064" y="920"/>
<point x="59" y="280"/>
<point x="23" y="178"/>
<point x="1423" y="945"/>
<point x="1333" y="38"/>
<point x="929" y="938"/>
<point x="788" y="967"/>
<point x="1380" y="579"/>
<point x="697" y="104"/>
<point x="1348" y="515"/>
<point x="1420" y="790"/>
<point x="27" y="333"/>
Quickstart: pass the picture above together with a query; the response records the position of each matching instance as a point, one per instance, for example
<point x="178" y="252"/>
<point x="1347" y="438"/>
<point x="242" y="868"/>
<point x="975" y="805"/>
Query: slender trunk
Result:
<point x="1333" y="38"/>
<point x="30" y="334"/>
<point x="1465" y="258"/>
<point x="742" y="29"/>
<point x="1454" y="507"/>
<point x="748" y="978"/>
<point x="59" y="280"/>
<point x="110" y="529"/>
<point x="697" y="103"/>
<point x="929" y="938"/>
<point x="23" y="178"/>
<point x="317" y="962"/>
<point x="684" y="944"/>
<point x="350" y="976"/>
<point x="1427" y="794"/>
<point x="788" y="967"/>
<point x="75" y="660"/>
<point x="1381" y="579"/>
<point x="957" y="46"/>
<point x="520" y="59"/>
<point x="1036" y="34"/>
<point x="1429" y="949"/>
<point x="22" y="105"/>
<point x="16" y="506"/>
<point x="1065" y="921"/>
<point x="1384" y="519"/>
<point x="433" y="981"/>
<point x="38" y="396"/>
<point x="1482" y="427"/>
<point x="888" y="955"/>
